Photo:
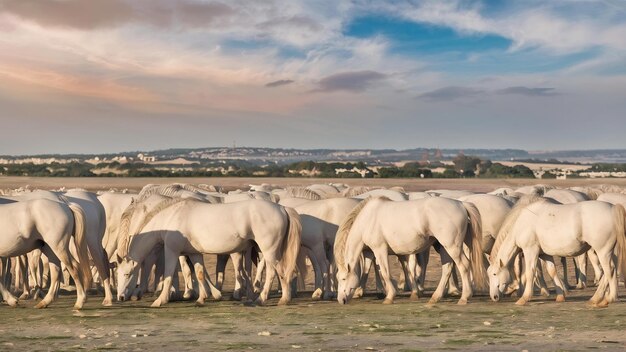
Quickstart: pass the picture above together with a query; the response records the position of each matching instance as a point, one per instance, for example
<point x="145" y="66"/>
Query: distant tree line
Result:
<point x="462" y="166"/>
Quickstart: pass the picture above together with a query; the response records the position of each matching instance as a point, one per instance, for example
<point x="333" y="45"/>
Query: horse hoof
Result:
<point x="24" y="296"/>
<point x="454" y="293"/>
<point x="414" y="296"/>
<point x="388" y="301"/>
<point x="462" y="302"/>
<point x="560" y="298"/>
<point x="78" y="306"/>
<point x="545" y="292"/>
<point x="259" y="302"/>
<point x="602" y="304"/>
<point x="107" y="302"/>
<point x="12" y="302"/>
<point x="358" y="293"/>
<point x="521" y="302"/>
<point x="200" y="303"/>
<point x="156" y="304"/>
<point x="283" y="302"/>
<point x="317" y="295"/>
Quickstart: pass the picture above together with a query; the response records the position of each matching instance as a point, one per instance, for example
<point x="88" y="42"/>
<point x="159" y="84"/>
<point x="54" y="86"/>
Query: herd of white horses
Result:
<point x="138" y="243"/>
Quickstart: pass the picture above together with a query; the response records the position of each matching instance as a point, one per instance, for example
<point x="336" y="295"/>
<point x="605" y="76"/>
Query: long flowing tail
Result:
<point x="619" y="214"/>
<point x="475" y="232"/>
<point x="80" y="237"/>
<point x="291" y="244"/>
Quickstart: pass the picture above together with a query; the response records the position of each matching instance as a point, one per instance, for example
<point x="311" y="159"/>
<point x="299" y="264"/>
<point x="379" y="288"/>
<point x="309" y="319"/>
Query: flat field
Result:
<point x="364" y="324"/>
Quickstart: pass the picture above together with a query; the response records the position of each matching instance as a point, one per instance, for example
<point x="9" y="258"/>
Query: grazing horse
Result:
<point x="47" y="225"/>
<point x="193" y="228"/>
<point x="539" y="228"/>
<point x="406" y="228"/>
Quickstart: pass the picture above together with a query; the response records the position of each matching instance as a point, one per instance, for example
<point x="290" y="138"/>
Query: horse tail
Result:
<point x="619" y="216"/>
<point x="80" y="237"/>
<point x="473" y="241"/>
<point x="291" y="244"/>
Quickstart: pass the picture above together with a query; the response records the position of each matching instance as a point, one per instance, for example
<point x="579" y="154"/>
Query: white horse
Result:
<point x="406" y="228"/>
<point x="569" y="196"/>
<point x="449" y="193"/>
<point x="320" y="222"/>
<point x="49" y="226"/>
<point x="95" y="228"/>
<point x="388" y="193"/>
<point x="541" y="229"/>
<point x="192" y="228"/>
<point x="114" y="205"/>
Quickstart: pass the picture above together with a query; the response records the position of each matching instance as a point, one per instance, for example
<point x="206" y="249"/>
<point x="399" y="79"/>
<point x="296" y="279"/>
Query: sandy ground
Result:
<point x="231" y="183"/>
<point x="364" y="324"/>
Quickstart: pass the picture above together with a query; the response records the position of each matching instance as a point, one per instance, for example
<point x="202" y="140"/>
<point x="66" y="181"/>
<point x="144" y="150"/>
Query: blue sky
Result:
<point x="113" y="75"/>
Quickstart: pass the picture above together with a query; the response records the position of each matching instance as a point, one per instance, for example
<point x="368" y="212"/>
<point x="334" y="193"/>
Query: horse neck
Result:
<point x="354" y="249"/>
<point x="142" y="244"/>
<point x="508" y="250"/>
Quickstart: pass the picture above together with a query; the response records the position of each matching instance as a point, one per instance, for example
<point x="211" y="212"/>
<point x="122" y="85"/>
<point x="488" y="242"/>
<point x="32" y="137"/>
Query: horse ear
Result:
<point x="348" y="266"/>
<point x="118" y="258"/>
<point x="501" y="263"/>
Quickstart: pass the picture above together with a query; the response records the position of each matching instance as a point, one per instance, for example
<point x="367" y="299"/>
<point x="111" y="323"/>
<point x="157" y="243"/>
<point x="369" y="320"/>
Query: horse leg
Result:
<point x="581" y="271"/>
<point x="220" y="269"/>
<point x="412" y="264"/>
<point x="382" y="258"/>
<point x="463" y="263"/>
<point x="367" y="265"/>
<point x="404" y="262"/>
<point x="36" y="271"/>
<point x="101" y="262"/>
<point x="595" y="264"/>
<point x="610" y="278"/>
<point x="551" y="267"/>
<point x="318" y="260"/>
<point x="45" y="276"/>
<point x="530" y="266"/>
<point x="198" y="265"/>
<point x="257" y="284"/>
<point x="270" y="273"/>
<point x="237" y="259"/>
<point x="446" y="271"/>
<point x="422" y="264"/>
<point x="72" y="266"/>
<point x="189" y="293"/>
<point x="55" y="272"/>
<point x="565" y="279"/>
<point x="6" y="294"/>
<point x="23" y="263"/>
<point x="453" y="283"/>
<point x="541" y="281"/>
<point x="171" y="264"/>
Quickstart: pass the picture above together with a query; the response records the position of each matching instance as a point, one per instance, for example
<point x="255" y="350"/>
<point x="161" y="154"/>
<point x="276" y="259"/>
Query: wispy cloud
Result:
<point x="451" y="93"/>
<point x="280" y="82"/>
<point x="530" y="92"/>
<point x="355" y="81"/>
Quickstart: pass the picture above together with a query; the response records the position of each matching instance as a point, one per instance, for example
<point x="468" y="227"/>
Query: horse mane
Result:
<point x="344" y="229"/>
<point x="511" y="218"/>
<point x="123" y="239"/>
<point x="355" y="191"/>
<point x="398" y="189"/>
<point x="301" y="192"/>
<point x="174" y="190"/>
<point x="124" y="233"/>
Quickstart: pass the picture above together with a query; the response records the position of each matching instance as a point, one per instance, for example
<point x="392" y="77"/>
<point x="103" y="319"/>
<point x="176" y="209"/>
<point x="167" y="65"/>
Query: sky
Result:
<point x="96" y="76"/>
